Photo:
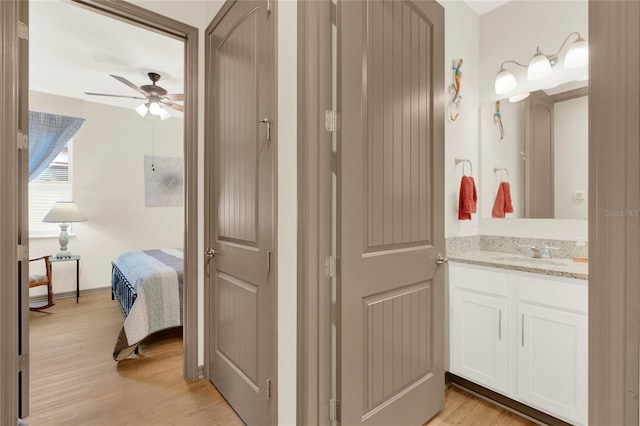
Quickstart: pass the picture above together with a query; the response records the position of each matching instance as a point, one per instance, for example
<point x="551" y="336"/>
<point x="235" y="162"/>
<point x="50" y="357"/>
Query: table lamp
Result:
<point x="64" y="212"/>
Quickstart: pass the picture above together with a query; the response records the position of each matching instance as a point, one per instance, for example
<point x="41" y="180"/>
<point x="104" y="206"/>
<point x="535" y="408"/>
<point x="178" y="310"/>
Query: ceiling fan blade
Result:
<point x="174" y="106"/>
<point x="175" y="97"/>
<point x="130" y="84"/>
<point x="114" y="96"/>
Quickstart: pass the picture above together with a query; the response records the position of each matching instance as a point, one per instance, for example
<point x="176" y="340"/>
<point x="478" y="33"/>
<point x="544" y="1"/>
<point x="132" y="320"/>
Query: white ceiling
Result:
<point x="73" y="50"/>
<point x="483" y="6"/>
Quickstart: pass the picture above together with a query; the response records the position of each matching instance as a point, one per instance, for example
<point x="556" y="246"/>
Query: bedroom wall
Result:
<point x="108" y="187"/>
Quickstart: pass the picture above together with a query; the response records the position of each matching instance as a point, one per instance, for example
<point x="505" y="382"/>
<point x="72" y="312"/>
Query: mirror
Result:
<point x="543" y="153"/>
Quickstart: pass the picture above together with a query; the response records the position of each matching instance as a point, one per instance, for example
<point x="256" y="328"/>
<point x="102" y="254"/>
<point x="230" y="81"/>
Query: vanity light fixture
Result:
<point x="541" y="65"/>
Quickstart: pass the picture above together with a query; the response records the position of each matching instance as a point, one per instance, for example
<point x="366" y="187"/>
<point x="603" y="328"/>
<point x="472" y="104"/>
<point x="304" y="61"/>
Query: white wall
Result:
<point x="503" y="153"/>
<point x="571" y="157"/>
<point x="461" y="136"/>
<point x="108" y="187"/>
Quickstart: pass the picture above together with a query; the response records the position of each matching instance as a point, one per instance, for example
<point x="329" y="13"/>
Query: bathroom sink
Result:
<point x="529" y="259"/>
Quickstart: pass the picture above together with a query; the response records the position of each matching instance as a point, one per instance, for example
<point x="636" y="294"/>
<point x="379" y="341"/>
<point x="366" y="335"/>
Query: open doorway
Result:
<point x="109" y="157"/>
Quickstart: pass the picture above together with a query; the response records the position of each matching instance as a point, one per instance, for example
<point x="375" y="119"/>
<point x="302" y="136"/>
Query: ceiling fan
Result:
<point x="156" y="97"/>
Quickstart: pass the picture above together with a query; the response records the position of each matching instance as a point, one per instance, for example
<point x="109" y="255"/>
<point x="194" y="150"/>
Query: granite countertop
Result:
<point x="557" y="267"/>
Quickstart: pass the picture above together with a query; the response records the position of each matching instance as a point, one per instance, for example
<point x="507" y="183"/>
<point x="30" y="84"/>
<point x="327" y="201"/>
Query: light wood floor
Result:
<point x="74" y="380"/>
<point x="464" y="409"/>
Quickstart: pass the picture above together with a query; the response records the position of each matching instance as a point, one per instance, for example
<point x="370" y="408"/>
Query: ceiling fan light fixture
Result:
<point x="155" y="108"/>
<point x="164" y="114"/>
<point x="142" y="109"/>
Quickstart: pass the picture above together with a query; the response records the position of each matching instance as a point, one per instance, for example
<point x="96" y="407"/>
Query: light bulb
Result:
<point x="505" y="82"/>
<point x="518" y="98"/>
<point x="577" y="55"/>
<point x="155" y="108"/>
<point x="539" y="67"/>
<point x="142" y="110"/>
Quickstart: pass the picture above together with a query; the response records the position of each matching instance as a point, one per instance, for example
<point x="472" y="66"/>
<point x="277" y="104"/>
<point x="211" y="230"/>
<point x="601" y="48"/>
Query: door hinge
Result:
<point x="268" y="388"/>
<point x="331" y="120"/>
<point x="23" y="140"/>
<point x="334" y="410"/>
<point x="23" y="31"/>
<point x="268" y="261"/>
<point x="23" y="252"/>
<point x="331" y="266"/>
<point x="22" y="362"/>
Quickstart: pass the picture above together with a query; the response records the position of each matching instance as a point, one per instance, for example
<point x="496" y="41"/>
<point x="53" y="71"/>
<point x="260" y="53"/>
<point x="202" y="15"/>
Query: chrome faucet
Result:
<point x="542" y="252"/>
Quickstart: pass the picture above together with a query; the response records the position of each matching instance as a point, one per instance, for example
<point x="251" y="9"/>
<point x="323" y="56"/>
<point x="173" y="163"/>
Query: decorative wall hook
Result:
<point x="454" y="89"/>
<point x="497" y="120"/>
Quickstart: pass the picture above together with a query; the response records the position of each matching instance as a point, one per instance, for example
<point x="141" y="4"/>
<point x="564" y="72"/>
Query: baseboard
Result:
<point x="509" y="404"/>
<point x="70" y="294"/>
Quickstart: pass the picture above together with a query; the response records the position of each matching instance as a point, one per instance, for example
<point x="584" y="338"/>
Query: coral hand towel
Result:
<point x="468" y="198"/>
<point x="502" y="204"/>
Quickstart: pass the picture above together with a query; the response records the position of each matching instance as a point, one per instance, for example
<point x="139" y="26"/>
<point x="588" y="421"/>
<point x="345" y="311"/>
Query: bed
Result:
<point x="148" y="286"/>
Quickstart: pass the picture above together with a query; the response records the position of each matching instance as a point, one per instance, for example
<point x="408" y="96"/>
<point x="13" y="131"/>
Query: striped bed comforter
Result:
<point x="156" y="277"/>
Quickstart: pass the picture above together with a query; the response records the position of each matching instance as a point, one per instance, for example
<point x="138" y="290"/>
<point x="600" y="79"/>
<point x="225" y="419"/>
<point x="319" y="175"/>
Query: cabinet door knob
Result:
<point x="440" y="259"/>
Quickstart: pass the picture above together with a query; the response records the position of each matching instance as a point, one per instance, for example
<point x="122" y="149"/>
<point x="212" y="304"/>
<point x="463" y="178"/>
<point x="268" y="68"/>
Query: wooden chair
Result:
<point x="37" y="280"/>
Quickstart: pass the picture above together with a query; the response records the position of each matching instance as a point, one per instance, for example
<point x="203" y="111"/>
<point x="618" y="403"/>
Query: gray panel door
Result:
<point x="391" y="212"/>
<point x="538" y="166"/>
<point x="240" y="68"/>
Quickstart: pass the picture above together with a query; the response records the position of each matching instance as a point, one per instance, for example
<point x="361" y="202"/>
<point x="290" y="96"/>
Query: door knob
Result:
<point x="210" y="253"/>
<point x="441" y="259"/>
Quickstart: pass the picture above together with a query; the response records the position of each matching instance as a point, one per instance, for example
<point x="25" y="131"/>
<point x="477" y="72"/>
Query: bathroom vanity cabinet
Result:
<point x="522" y="335"/>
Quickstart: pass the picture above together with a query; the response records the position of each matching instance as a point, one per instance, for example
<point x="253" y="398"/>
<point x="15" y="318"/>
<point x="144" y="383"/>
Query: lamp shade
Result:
<point x="155" y="108"/>
<point x="64" y="212"/>
<point x="505" y="82"/>
<point x="142" y="109"/>
<point x="539" y="67"/>
<point x="577" y="55"/>
<point x="164" y="114"/>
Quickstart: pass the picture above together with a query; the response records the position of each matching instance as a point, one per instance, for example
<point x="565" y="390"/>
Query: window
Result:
<point x="53" y="184"/>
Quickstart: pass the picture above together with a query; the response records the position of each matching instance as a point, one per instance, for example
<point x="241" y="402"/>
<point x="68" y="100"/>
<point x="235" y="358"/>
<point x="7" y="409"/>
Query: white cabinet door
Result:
<point x="479" y="339"/>
<point x="553" y="369"/>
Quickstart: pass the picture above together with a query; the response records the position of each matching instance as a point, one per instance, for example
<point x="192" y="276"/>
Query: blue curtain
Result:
<point x="48" y="134"/>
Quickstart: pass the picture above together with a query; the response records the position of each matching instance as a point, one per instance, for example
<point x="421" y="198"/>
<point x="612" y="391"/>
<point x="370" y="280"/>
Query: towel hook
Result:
<point x="465" y="161"/>
<point x="497" y="169"/>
